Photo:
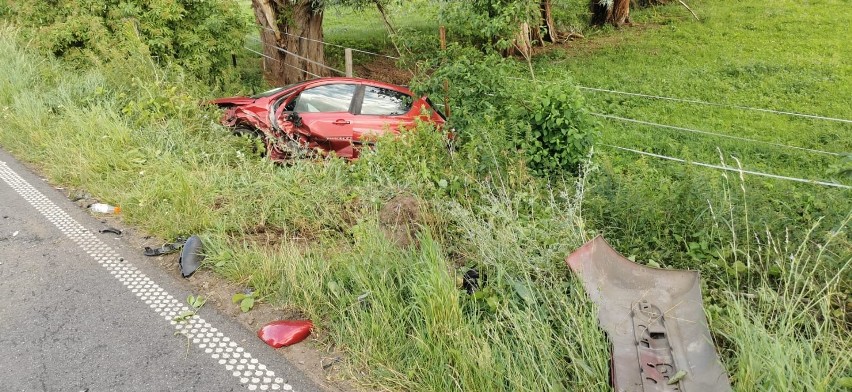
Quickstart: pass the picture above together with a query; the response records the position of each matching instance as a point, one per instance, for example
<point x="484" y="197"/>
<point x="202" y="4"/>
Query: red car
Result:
<point x="326" y="114"/>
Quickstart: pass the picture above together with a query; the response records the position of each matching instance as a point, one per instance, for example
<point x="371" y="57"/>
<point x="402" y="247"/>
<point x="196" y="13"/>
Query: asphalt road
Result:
<point x="82" y="311"/>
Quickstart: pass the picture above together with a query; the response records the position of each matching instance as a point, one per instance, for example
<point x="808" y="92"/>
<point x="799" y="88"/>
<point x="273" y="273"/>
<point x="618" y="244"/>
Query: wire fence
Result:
<point x="732" y="169"/>
<point x="699" y="102"/>
<point x="723" y="105"/>
<point x="274" y="59"/>
<point x="329" y="43"/>
<point x="745" y="139"/>
<point x="302" y="58"/>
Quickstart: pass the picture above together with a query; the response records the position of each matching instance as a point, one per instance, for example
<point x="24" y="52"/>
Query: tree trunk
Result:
<point x="293" y="26"/>
<point x="388" y="25"/>
<point x="526" y="36"/>
<point x="550" y="33"/>
<point x="614" y="12"/>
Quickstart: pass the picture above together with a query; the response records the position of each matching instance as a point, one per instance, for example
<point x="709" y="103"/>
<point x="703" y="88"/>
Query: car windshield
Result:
<point x="272" y="92"/>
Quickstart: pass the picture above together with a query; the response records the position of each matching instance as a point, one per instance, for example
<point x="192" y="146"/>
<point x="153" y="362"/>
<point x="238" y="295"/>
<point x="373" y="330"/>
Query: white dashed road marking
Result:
<point x="236" y="360"/>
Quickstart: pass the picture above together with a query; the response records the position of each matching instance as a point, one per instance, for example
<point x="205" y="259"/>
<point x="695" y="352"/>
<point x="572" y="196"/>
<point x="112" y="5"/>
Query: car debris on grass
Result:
<point x="655" y="320"/>
<point x="283" y="333"/>
<point x="191" y="256"/>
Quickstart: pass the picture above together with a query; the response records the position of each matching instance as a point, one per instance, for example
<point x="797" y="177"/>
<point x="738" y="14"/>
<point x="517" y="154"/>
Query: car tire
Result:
<point x="297" y="150"/>
<point x="256" y="138"/>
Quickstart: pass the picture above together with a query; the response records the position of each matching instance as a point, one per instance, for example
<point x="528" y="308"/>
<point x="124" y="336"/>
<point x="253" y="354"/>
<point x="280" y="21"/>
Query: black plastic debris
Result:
<point x="471" y="281"/>
<point x="191" y="256"/>
<point x="112" y="230"/>
<point x="165" y="249"/>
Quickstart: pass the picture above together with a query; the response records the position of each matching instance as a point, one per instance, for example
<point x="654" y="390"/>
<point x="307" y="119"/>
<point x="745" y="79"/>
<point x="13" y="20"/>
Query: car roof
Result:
<point x="330" y="80"/>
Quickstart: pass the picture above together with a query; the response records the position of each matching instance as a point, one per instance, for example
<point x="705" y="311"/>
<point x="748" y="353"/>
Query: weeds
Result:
<point x="246" y="301"/>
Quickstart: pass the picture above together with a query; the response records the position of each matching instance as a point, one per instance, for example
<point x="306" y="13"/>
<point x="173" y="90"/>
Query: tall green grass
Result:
<point x="787" y="328"/>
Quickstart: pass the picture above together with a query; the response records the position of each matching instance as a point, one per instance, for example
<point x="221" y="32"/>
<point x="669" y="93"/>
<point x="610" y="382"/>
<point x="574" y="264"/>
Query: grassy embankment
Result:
<point x="778" y="324"/>
<point x="310" y="235"/>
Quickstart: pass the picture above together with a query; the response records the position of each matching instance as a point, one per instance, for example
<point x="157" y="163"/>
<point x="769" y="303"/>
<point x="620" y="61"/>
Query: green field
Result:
<point x="319" y="237"/>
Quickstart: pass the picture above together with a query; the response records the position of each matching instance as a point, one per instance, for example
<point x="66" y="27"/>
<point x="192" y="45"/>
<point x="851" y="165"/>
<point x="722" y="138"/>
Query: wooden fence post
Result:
<point x="347" y="54"/>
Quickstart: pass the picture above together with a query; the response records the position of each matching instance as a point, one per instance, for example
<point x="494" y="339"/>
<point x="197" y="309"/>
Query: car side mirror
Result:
<point x="294" y="118"/>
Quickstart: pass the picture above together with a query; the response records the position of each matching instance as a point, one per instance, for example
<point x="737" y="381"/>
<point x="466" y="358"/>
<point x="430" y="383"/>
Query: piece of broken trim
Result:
<point x="110" y="230"/>
<point x="165" y="249"/>
<point x="655" y="321"/>
<point x="285" y="332"/>
<point x="191" y="256"/>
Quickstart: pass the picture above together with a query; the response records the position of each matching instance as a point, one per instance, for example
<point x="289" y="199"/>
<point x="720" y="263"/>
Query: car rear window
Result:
<point x="385" y="102"/>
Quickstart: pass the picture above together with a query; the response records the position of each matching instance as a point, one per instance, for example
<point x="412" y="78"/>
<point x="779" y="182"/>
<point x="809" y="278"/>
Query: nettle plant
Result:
<point x="560" y="132"/>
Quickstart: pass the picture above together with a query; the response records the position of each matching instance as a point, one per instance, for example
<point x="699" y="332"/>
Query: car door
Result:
<point x="381" y="110"/>
<point x="326" y="115"/>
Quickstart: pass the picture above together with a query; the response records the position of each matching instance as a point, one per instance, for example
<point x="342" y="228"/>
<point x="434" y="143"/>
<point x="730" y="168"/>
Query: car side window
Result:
<point x="324" y="99"/>
<point x="385" y="102"/>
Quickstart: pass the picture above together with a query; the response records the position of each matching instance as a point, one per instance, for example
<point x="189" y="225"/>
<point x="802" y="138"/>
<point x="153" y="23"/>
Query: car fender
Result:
<point x="247" y="117"/>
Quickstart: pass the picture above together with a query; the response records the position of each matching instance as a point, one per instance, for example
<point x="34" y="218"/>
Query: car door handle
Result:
<point x="340" y="122"/>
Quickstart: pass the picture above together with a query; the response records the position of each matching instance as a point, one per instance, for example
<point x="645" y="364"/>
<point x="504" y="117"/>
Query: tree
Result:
<point x="509" y="25"/>
<point x="292" y="39"/>
<point x="614" y="12"/>
<point x="199" y="36"/>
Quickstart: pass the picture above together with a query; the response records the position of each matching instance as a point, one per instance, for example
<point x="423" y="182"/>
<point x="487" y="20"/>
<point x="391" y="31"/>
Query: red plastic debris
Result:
<point x="285" y="332"/>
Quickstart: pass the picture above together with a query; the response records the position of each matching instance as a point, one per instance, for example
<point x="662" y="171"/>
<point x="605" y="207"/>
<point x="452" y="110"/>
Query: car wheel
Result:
<point x="255" y="137"/>
<point x="297" y="150"/>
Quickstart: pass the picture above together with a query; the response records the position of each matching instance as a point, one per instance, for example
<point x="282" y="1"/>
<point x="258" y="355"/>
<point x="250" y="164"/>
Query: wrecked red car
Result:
<point x="325" y="115"/>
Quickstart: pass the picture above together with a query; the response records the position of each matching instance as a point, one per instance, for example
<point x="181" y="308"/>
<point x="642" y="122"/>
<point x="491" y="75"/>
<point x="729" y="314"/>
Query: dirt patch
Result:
<point x="219" y="202"/>
<point x="384" y="69"/>
<point x="400" y="218"/>
<point x="264" y="235"/>
<point x="591" y="45"/>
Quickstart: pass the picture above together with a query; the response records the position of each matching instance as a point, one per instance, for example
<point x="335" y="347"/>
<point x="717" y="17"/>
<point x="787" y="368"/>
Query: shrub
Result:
<point x="199" y="36"/>
<point x="560" y="132"/>
<point x="489" y="21"/>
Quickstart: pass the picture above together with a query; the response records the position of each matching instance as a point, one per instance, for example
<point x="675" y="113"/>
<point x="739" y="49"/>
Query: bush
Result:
<point x="495" y="116"/>
<point x="199" y="36"/>
<point x="560" y="132"/>
<point x="492" y="22"/>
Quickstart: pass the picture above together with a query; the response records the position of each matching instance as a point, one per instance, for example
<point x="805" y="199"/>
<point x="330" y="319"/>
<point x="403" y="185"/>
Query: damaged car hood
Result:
<point x="654" y="319"/>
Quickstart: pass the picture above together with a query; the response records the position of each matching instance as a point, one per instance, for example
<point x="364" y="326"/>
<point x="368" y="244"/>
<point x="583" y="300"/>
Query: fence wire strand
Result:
<point x="274" y="59"/>
<point x="723" y="105"/>
<point x="330" y="44"/>
<point x="699" y="102"/>
<point x="732" y="169"/>
<point x="303" y="58"/>
<point x="648" y="123"/>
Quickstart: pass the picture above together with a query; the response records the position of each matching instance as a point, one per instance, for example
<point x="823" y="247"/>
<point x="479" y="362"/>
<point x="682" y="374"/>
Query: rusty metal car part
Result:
<point x="654" y="319"/>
